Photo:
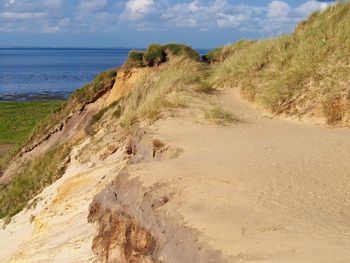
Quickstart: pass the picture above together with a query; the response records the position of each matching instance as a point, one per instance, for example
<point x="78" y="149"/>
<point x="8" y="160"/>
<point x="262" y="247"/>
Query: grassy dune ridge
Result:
<point x="294" y="74"/>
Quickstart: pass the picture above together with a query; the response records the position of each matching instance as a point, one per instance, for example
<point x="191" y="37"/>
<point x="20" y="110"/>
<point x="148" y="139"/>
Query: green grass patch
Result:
<point x="17" y="120"/>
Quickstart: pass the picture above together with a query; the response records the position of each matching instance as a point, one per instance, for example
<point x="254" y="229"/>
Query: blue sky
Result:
<point x="136" y="23"/>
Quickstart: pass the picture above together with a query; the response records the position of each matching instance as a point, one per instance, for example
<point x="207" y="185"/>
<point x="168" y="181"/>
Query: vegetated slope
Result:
<point x="157" y="88"/>
<point x="302" y="74"/>
<point x="43" y="158"/>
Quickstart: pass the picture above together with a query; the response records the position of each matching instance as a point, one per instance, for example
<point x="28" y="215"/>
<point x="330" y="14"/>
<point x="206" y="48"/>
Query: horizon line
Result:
<point x="78" y="47"/>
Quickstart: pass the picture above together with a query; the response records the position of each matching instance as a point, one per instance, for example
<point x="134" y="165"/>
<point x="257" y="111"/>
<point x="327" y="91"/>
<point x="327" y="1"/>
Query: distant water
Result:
<point x="39" y="73"/>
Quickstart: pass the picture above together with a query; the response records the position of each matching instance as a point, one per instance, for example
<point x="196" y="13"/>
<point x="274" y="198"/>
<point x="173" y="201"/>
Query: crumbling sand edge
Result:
<point x="133" y="225"/>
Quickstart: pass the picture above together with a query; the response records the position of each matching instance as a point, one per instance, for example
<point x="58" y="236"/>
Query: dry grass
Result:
<point x="220" y="115"/>
<point x="160" y="88"/>
<point x="32" y="179"/>
<point x="295" y="73"/>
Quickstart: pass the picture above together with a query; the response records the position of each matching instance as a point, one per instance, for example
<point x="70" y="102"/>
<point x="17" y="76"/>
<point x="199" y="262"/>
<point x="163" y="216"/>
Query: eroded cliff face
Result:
<point x="125" y="80"/>
<point x="120" y="238"/>
<point x="133" y="221"/>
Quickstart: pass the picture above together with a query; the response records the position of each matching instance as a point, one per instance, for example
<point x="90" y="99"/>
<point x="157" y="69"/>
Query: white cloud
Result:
<point x="231" y="21"/>
<point x="112" y="15"/>
<point x="90" y="6"/>
<point x="278" y="9"/>
<point x="137" y="9"/>
<point x="311" y="6"/>
<point x="21" y="16"/>
<point x="142" y="6"/>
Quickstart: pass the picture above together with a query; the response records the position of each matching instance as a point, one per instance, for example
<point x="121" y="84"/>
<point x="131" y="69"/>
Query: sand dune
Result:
<point x="258" y="190"/>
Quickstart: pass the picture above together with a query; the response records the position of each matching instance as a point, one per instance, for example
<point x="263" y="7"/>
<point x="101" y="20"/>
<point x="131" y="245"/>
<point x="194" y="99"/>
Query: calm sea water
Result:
<point x="34" y="72"/>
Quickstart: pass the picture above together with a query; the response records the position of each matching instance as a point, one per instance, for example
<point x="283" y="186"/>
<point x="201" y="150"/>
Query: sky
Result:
<point x="136" y="23"/>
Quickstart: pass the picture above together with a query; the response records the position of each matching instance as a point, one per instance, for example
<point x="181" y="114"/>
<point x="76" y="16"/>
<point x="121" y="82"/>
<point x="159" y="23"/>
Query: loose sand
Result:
<point x="263" y="190"/>
<point x="260" y="190"/>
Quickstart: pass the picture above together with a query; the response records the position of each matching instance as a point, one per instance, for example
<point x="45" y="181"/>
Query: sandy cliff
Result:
<point x="185" y="190"/>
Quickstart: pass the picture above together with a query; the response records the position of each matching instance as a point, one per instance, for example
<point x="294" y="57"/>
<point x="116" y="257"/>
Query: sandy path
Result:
<point x="263" y="190"/>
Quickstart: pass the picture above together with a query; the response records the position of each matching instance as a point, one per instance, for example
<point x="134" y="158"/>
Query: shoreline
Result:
<point x="34" y="96"/>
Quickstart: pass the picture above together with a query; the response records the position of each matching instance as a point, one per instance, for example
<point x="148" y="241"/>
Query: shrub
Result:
<point x="135" y="59"/>
<point x="154" y="55"/>
<point x="181" y="50"/>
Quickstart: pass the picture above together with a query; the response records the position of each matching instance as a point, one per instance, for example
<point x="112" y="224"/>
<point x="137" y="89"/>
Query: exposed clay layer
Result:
<point x="120" y="238"/>
<point x="132" y="227"/>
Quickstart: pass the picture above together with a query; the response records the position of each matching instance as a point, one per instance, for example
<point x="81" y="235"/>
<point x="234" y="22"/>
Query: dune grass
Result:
<point x="160" y="88"/>
<point x="32" y="179"/>
<point x="294" y="74"/>
<point x="156" y="54"/>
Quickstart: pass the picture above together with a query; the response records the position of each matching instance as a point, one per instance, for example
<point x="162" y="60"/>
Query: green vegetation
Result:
<point x="76" y="102"/>
<point x="157" y="54"/>
<point x="135" y="59"/>
<point x="32" y="179"/>
<point x="219" y="115"/>
<point x="17" y="119"/>
<point x="296" y="73"/>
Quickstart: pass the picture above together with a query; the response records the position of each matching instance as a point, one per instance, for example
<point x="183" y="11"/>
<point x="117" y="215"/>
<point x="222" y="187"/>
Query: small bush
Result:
<point x="135" y="59"/>
<point x="181" y="50"/>
<point x="219" y="115"/>
<point x="154" y="55"/>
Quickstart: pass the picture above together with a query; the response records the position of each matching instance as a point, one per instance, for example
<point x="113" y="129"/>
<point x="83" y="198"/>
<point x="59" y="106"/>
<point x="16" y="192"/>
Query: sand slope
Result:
<point x="260" y="190"/>
<point x="263" y="190"/>
<point x="57" y="229"/>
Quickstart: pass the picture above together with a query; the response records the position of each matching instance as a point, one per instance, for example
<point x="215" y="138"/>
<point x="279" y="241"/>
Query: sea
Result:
<point x="53" y="73"/>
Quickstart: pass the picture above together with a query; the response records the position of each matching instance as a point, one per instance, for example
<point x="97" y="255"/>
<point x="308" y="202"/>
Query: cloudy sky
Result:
<point x="135" y="23"/>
